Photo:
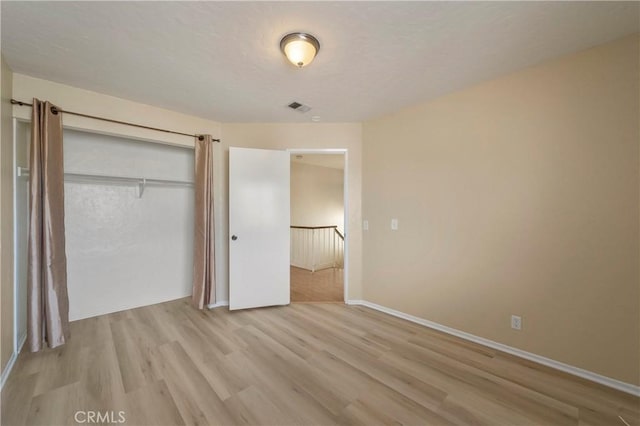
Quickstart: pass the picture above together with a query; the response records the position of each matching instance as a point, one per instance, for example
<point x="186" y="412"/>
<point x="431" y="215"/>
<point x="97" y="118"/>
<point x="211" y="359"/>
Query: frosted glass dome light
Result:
<point x="299" y="48"/>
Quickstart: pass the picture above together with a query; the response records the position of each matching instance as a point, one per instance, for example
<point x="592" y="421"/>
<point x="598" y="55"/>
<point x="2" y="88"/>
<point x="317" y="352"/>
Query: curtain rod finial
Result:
<point x="201" y="137"/>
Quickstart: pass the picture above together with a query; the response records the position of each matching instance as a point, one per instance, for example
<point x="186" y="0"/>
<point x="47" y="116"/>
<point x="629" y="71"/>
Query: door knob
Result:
<point x="234" y="237"/>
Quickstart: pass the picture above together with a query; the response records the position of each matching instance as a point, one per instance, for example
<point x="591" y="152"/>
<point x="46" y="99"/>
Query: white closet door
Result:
<point x="259" y="220"/>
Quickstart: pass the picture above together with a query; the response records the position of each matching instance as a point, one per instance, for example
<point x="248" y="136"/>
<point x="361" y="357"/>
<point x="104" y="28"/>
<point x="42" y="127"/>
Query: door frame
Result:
<point x="345" y="181"/>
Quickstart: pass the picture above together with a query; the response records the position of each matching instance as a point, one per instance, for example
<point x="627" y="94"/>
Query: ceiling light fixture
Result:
<point x="300" y="48"/>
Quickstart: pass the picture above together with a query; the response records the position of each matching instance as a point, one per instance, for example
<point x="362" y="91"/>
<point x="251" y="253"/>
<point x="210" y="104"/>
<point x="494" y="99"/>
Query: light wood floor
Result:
<point x="326" y="285"/>
<point x="301" y="364"/>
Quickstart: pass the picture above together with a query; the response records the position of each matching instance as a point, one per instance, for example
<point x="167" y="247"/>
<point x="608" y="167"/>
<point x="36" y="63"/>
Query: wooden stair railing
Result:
<point x="317" y="247"/>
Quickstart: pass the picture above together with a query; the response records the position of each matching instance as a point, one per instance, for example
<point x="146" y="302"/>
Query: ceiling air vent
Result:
<point x="299" y="107"/>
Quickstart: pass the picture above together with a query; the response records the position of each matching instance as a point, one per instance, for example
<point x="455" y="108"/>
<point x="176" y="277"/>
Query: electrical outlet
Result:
<point x="394" y="224"/>
<point x="516" y="322"/>
<point x="365" y="225"/>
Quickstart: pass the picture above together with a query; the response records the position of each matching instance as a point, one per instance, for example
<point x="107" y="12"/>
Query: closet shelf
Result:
<point x="140" y="181"/>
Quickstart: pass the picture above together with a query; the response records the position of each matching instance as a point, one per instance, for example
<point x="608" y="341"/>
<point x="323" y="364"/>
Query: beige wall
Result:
<point x="304" y="136"/>
<point x="317" y="195"/>
<point x="517" y="196"/>
<point x="74" y="99"/>
<point x="6" y="217"/>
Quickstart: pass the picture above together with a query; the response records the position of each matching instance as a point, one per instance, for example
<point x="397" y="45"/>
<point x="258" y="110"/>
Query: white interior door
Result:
<point x="259" y="219"/>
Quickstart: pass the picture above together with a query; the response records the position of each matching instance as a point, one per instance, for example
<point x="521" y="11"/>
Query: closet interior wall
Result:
<point x="126" y="246"/>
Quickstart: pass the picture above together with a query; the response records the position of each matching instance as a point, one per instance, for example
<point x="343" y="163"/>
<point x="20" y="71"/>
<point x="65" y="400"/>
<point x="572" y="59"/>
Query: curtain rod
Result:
<point x="55" y="110"/>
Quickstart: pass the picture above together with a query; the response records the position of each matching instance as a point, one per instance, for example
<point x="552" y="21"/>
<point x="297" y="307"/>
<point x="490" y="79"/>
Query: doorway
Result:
<point x="317" y="267"/>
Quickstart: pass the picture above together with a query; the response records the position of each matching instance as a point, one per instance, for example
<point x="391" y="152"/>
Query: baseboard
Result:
<point x="23" y="340"/>
<point x="585" y="374"/>
<point x="218" y="304"/>
<point x="12" y="360"/>
<point x="7" y="369"/>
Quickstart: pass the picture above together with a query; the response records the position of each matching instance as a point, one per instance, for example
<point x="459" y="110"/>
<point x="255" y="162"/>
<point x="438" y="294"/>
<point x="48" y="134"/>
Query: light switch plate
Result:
<point x="365" y="225"/>
<point x="394" y="224"/>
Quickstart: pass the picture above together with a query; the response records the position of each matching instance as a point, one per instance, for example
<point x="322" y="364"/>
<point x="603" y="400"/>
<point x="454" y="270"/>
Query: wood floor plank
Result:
<point x="303" y="364"/>
<point x="251" y="406"/>
<point x="460" y="415"/>
<point x="135" y="357"/>
<point x="285" y="394"/>
<point x="61" y="366"/>
<point x="326" y="285"/>
<point x="575" y="391"/>
<point x="348" y="382"/>
<point x="400" y="408"/>
<point x="101" y="377"/>
<point x="275" y="356"/>
<point x="296" y="340"/>
<point x="457" y="378"/>
<point x="359" y="413"/>
<point x="59" y="406"/>
<point x="152" y="404"/>
<point x="16" y="398"/>
<point x="185" y="379"/>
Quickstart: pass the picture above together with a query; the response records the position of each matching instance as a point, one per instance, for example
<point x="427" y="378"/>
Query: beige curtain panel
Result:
<point x="48" y="302"/>
<point x="203" y="249"/>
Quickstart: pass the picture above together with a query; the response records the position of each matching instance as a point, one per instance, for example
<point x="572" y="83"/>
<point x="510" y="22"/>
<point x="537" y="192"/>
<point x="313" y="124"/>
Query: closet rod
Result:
<point x="140" y="182"/>
<point x="55" y="110"/>
<point x="23" y="172"/>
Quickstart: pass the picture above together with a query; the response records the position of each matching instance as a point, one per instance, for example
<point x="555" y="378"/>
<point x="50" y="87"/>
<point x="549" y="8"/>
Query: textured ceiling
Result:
<point x="333" y="161"/>
<point x="221" y="60"/>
